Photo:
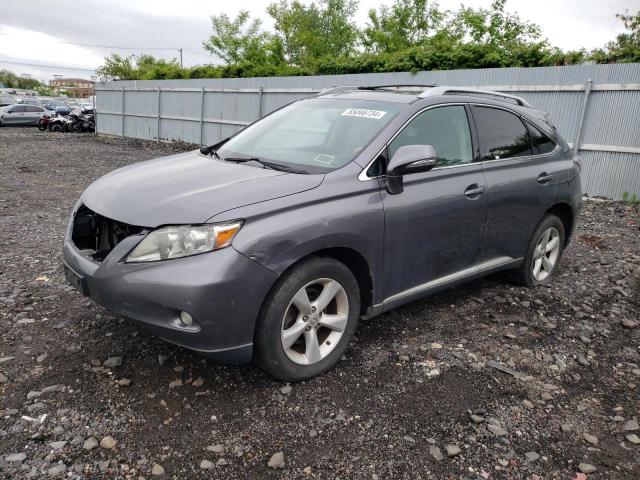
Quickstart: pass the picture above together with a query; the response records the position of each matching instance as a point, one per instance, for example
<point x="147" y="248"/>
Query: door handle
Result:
<point x="544" y="177"/>
<point x="475" y="190"/>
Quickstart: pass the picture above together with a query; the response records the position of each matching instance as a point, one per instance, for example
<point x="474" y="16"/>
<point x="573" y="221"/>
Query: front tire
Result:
<point x="543" y="254"/>
<point x="307" y="320"/>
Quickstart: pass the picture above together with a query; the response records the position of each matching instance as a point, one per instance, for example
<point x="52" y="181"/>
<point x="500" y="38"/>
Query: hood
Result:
<point x="187" y="188"/>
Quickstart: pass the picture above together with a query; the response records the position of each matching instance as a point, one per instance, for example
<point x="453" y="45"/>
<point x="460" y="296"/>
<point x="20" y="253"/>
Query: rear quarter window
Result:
<point x="540" y="141"/>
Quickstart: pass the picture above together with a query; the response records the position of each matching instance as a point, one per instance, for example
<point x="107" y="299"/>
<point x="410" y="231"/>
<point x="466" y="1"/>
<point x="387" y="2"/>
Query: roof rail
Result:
<point x="473" y="91"/>
<point x="340" y="89"/>
<point x="402" y="85"/>
<point x="331" y="90"/>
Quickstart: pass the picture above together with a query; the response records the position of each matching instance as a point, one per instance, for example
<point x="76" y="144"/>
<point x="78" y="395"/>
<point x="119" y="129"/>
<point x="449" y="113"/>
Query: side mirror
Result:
<point x="408" y="159"/>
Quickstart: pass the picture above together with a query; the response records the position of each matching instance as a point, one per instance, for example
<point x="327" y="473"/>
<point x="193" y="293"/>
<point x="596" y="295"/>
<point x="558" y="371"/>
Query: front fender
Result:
<point x="342" y="212"/>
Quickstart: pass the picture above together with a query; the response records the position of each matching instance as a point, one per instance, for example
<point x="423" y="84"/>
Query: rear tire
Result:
<point x="307" y="320"/>
<point x="56" y="127"/>
<point x="543" y="255"/>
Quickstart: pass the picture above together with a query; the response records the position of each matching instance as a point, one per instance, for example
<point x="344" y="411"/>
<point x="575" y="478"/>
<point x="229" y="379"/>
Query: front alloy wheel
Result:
<point x="307" y="320"/>
<point x="315" y="321"/>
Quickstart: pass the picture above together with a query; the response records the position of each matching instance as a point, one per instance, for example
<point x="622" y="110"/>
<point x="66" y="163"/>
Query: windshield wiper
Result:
<point x="213" y="149"/>
<point x="273" y="166"/>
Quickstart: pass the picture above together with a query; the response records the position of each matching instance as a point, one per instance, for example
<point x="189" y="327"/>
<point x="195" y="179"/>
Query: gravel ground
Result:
<point x="483" y="381"/>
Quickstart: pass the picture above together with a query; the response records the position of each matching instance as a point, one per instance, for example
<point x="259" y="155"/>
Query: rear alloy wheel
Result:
<point x="307" y="320"/>
<point x="543" y="254"/>
<point x="546" y="254"/>
<point x="56" y="127"/>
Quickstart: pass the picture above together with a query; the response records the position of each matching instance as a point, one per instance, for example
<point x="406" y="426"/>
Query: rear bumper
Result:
<point x="222" y="290"/>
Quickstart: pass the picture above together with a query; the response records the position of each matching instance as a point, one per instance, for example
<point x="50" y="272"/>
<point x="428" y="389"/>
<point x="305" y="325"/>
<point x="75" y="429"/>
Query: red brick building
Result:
<point x="75" y="87"/>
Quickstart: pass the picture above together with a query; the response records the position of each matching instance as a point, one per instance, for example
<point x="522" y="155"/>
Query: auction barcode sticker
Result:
<point x="363" y="112"/>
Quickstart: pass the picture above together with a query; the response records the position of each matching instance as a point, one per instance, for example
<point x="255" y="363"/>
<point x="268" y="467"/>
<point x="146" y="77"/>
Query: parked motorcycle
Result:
<point x="81" y="121"/>
<point x="43" y="123"/>
<point x="59" y="123"/>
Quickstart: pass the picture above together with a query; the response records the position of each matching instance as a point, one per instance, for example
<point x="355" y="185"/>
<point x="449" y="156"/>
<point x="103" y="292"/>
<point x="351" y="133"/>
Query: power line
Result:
<point x="113" y="47"/>
<point x="60" y="67"/>
<point x="90" y="45"/>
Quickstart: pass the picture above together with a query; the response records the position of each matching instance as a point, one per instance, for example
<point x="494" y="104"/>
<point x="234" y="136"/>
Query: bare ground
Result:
<point x="519" y="380"/>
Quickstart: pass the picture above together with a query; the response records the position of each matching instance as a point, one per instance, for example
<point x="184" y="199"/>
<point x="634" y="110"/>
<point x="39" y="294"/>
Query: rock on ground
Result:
<point x="276" y="461"/>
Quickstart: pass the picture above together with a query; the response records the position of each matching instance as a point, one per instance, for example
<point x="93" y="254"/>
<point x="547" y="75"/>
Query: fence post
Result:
<point x="260" y="93"/>
<point x="201" y="113"/>
<point x="122" y="101"/>
<point x="95" y="114"/>
<point x="583" y="111"/>
<point x="158" y="117"/>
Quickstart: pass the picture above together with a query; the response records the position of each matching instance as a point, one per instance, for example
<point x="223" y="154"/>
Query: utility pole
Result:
<point x="180" y="50"/>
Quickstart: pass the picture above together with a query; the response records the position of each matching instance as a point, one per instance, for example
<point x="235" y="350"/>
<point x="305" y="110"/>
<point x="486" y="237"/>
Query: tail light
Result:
<point x="577" y="159"/>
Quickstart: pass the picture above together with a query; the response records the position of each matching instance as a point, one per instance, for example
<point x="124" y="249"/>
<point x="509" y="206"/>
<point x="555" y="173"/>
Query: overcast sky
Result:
<point x="45" y="32"/>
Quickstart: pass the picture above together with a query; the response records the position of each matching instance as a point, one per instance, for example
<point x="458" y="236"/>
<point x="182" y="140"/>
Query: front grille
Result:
<point x="96" y="236"/>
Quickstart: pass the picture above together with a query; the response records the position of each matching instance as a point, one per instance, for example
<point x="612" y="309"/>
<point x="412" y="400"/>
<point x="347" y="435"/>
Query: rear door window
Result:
<point x="501" y="134"/>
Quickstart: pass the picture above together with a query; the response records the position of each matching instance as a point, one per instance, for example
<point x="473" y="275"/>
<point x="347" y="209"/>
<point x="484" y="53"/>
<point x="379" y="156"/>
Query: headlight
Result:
<point x="184" y="240"/>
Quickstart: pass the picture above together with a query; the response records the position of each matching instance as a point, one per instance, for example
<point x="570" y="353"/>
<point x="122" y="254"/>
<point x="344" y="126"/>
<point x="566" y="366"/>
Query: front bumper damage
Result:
<point x="222" y="290"/>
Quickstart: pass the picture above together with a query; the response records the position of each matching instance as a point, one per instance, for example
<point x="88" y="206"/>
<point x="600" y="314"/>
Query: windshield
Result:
<point x="315" y="135"/>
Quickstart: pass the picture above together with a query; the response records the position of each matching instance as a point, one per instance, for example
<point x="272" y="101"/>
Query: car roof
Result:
<point x="361" y="94"/>
<point x="410" y="94"/>
<point x="413" y="93"/>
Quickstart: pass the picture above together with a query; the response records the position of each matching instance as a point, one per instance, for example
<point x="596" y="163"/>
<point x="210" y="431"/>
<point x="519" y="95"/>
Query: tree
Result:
<point x="500" y="38"/>
<point x="139" y="67"/>
<point x="11" y="80"/>
<point x="626" y="47"/>
<point x="239" y="40"/>
<point x="410" y="35"/>
<point x="311" y="32"/>
<point x="405" y="24"/>
<point x="118" y="68"/>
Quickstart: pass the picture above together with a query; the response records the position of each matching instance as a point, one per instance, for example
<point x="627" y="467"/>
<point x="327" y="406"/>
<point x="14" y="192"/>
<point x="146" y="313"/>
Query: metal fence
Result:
<point x="596" y="108"/>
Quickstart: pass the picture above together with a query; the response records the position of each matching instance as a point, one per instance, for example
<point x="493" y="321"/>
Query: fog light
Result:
<point x="186" y="319"/>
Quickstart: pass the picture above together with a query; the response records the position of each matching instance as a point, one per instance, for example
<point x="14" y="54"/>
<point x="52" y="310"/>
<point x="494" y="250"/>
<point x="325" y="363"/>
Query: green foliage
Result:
<point x="626" y="47"/>
<point x="309" y="32"/>
<point x="405" y="24"/>
<point x="241" y="40"/>
<point x="139" y="67"/>
<point x="11" y="80"/>
<point x="627" y="198"/>
<point x="321" y="37"/>
<point x="45" y="91"/>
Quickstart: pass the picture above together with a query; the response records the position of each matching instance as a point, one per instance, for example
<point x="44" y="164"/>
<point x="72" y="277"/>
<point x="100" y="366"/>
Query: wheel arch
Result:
<point x="353" y="260"/>
<point x="566" y="215"/>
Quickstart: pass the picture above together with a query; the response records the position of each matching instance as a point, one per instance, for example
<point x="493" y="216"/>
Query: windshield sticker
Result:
<point x="363" y="112"/>
<point x="323" y="158"/>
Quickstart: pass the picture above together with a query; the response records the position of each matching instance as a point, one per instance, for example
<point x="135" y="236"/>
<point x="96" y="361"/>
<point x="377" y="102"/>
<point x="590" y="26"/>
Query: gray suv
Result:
<point x="272" y="244"/>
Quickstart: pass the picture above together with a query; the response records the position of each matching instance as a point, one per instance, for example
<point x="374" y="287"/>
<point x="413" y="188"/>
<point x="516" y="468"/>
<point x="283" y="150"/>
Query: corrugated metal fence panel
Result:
<point x="572" y="74"/>
<point x="612" y="117"/>
<point x="610" y="174"/>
